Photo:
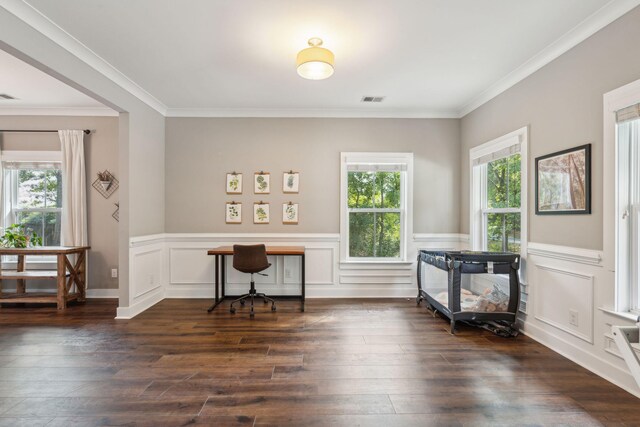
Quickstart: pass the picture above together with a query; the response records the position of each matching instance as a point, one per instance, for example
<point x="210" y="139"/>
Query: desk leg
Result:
<point x="216" y="275"/>
<point x="223" y="269"/>
<point x="304" y="279"/>
<point x="21" y="286"/>
<point x="61" y="282"/>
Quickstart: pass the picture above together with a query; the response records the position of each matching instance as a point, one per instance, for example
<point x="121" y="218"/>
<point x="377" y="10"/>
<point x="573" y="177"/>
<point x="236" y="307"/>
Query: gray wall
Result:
<point x="562" y="104"/>
<point x="101" y="152"/>
<point x="200" y="151"/>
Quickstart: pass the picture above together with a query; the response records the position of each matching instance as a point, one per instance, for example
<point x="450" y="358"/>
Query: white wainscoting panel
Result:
<point x="146" y="276"/>
<point x="320" y="265"/>
<point x="561" y="291"/>
<point x="147" y="272"/>
<point x="190" y="265"/>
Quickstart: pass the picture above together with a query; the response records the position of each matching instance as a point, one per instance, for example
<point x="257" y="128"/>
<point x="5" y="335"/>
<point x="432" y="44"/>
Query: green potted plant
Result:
<point x="18" y="236"/>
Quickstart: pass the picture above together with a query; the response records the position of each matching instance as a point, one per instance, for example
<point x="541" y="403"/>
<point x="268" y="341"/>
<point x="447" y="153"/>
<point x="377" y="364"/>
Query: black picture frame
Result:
<point x="587" y="182"/>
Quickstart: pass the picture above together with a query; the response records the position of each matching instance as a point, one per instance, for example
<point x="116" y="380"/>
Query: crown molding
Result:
<point x="41" y="23"/>
<point x="311" y="113"/>
<point x="57" y="111"/>
<point x="591" y="25"/>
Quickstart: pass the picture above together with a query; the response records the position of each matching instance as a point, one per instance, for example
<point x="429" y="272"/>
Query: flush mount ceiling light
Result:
<point x="315" y="62"/>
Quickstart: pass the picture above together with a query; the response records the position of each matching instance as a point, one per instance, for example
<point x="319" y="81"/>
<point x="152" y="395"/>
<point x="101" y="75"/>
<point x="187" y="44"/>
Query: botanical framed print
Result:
<point x="290" y="182"/>
<point x="289" y="213"/>
<point x="261" y="213"/>
<point x="563" y="182"/>
<point x="233" y="213"/>
<point x="234" y="183"/>
<point x="261" y="183"/>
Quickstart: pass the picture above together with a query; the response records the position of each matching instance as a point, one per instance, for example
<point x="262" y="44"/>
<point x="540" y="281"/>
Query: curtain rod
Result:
<point x="86" y="131"/>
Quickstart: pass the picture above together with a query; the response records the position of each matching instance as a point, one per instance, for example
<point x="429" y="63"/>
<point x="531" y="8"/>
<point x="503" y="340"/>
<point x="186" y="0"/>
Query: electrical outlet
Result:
<point x="114" y="273"/>
<point x="287" y="273"/>
<point x="573" y="317"/>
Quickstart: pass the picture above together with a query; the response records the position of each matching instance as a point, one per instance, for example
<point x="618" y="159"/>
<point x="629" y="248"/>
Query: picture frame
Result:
<point x="234" y="183"/>
<point x="261" y="183"/>
<point x="261" y="213"/>
<point x="563" y="182"/>
<point x="233" y="213"/>
<point x="290" y="213"/>
<point x="291" y="182"/>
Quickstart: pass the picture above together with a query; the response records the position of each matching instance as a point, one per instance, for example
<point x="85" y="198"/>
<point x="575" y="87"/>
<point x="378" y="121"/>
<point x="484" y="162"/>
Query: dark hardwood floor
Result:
<point x="341" y="363"/>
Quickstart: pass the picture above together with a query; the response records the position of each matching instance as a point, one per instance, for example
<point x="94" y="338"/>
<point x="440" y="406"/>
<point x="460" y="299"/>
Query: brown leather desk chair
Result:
<point x="251" y="259"/>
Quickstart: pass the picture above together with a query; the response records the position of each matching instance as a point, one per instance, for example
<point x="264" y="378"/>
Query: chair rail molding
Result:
<point x="566" y="253"/>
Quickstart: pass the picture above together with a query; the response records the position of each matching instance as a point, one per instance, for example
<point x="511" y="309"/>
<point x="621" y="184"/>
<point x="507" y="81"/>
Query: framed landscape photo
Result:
<point x="261" y="183"/>
<point x="260" y="213"/>
<point x="233" y="213"/>
<point x="563" y="182"/>
<point x="289" y="213"/>
<point x="290" y="182"/>
<point x="234" y="183"/>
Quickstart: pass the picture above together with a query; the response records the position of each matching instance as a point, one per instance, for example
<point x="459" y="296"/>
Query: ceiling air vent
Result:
<point x="5" y="97"/>
<point x="372" y="98"/>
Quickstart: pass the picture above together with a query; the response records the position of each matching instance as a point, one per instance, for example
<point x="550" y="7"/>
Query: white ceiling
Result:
<point x="38" y="92"/>
<point x="427" y="57"/>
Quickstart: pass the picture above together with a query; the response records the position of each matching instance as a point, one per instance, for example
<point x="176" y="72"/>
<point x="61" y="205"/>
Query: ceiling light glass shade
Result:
<point x="315" y="62"/>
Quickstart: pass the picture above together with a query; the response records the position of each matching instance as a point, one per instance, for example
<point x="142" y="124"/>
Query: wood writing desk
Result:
<point x="220" y="274"/>
<point x="67" y="275"/>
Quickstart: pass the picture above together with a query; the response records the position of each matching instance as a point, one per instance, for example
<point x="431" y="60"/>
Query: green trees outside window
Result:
<point x="502" y="213"/>
<point x="374" y="205"/>
<point x="39" y="202"/>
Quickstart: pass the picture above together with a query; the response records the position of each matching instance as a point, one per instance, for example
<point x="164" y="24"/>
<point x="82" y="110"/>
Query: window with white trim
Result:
<point x="374" y="206"/>
<point x="498" y="202"/>
<point x="32" y="184"/>
<point x="628" y="207"/>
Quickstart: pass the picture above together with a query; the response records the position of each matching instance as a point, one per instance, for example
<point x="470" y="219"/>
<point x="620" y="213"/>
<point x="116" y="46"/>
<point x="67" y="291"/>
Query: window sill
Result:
<point x="621" y="314"/>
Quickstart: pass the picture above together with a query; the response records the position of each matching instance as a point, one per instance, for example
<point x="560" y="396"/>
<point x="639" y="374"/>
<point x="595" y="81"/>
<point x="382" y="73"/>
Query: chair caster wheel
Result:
<point x="273" y="308"/>
<point x="242" y="302"/>
<point x="232" y="310"/>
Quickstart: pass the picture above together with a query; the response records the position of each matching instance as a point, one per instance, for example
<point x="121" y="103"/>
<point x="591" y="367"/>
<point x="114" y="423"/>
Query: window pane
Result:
<point x="387" y="235"/>
<point x="52" y="223"/>
<point x="503" y="182"/>
<point x="503" y="232"/>
<point x="32" y="221"/>
<point x="374" y="235"/>
<point x="31" y="188"/>
<point x="387" y="190"/>
<point x="361" y="234"/>
<point x="53" y="189"/>
<point x="360" y="189"/>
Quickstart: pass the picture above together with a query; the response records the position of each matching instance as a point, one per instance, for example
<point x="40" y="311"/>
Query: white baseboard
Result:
<point x="587" y="360"/>
<point x="143" y="304"/>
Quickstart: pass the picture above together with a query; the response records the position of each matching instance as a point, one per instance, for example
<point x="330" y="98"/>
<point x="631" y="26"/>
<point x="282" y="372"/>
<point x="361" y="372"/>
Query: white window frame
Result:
<point x="478" y="192"/>
<point x="406" y="200"/>
<point x="43" y="262"/>
<point x="617" y="264"/>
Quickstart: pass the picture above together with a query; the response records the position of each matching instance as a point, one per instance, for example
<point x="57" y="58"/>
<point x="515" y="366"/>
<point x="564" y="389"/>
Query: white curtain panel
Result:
<point x="74" y="189"/>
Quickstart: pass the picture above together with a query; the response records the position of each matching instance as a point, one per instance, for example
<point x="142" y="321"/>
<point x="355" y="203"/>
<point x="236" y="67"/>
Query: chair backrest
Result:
<point x="250" y="258"/>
